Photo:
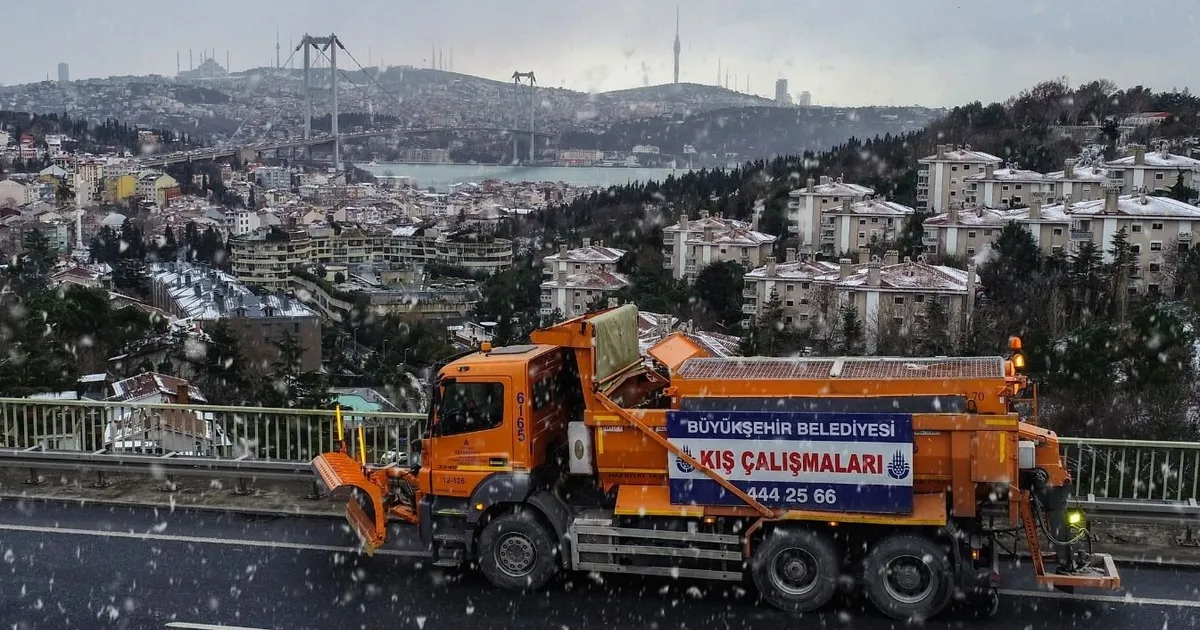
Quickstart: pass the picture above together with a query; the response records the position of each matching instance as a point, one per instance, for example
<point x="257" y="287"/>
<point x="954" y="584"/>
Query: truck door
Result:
<point x="471" y="438"/>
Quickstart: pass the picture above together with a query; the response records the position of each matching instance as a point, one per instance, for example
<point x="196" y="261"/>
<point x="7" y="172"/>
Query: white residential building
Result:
<point x="689" y="246"/>
<point x="571" y="293"/>
<point x="943" y="179"/>
<point x="1008" y="187"/>
<point x="857" y="224"/>
<point x="1151" y="172"/>
<point x="889" y="295"/>
<point x="806" y="208"/>
<point x="1079" y="183"/>
<point x="590" y="257"/>
<point x="1154" y="226"/>
<point x="15" y="193"/>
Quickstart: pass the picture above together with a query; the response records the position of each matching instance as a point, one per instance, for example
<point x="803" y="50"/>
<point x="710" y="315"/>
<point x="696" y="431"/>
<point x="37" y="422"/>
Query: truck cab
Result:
<point x="496" y="433"/>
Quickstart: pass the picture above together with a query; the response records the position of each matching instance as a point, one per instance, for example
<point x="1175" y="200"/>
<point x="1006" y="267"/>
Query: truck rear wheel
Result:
<point x="516" y="552"/>
<point x="796" y="569"/>
<point x="908" y="577"/>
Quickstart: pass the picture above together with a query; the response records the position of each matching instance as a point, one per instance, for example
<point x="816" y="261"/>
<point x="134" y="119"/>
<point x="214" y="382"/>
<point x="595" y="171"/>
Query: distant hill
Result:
<point x="755" y="132"/>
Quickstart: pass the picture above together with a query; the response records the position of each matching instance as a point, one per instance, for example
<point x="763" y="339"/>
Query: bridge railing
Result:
<point x="1134" y="469"/>
<point x="258" y="433"/>
<point x="1104" y="468"/>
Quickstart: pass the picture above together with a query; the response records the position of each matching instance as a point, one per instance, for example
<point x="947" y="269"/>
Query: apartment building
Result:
<point x="857" y="224"/>
<point x="807" y="207"/>
<point x="963" y="232"/>
<point x="942" y="180"/>
<point x="273" y="177"/>
<point x="570" y="293"/>
<point x="889" y="295"/>
<point x="590" y="257"/>
<point x="1080" y="183"/>
<point x="266" y="257"/>
<point x="801" y="285"/>
<point x="206" y="295"/>
<point x="1154" y="226"/>
<point x="892" y="297"/>
<point x="1008" y="187"/>
<point x="1151" y="172"/>
<point x="689" y="246"/>
<point x="448" y="302"/>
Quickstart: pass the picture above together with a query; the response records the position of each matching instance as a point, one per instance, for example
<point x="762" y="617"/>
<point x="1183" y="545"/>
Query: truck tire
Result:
<point x="516" y="552"/>
<point x="796" y="570"/>
<point x="908" y="577"/>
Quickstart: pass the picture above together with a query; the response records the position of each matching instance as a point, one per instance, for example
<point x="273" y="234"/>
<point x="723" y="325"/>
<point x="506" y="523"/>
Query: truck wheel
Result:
<point x="908" y="577"/>
<point x="796" y="570"/>
<point x="516" y="553"/>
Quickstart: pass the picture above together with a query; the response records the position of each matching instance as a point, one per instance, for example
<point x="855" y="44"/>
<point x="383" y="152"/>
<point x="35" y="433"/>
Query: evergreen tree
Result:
<point x="30" y="271"/>
<point x="934" y="331"/>
<point x="224" y="370"/>
<point x="852" y="336"/>
<point x="1120" y="269"/>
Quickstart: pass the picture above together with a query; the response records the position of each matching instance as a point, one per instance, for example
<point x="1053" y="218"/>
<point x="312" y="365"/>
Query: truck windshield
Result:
<point x="469" y="407"/>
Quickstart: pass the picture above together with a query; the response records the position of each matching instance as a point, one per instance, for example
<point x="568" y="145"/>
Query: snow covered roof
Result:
<point x="1006" y="174"/>
<point x="963" y="154"/>
<point x="1157" y="159"/>
<point x="973" y="217"/>
<point x="596" y="280"/>
<point x="796" y="270"/>
<point x="208" y="294"/>
<point x="1148" y="206"/>
<point x="835" y="189"/>
<point x="708" y="222"/>
<point x="1081" y="173"/>
<point x="875" y="207"/>
<point x="737" y="237"/>
<point x="913" y="276"/>
<point x="588" y="254"/>
<point x="149" y="383"/>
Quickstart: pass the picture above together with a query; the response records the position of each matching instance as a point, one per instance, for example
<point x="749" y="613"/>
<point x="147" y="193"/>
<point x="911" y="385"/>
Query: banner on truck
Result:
<point x="837" y="462"/>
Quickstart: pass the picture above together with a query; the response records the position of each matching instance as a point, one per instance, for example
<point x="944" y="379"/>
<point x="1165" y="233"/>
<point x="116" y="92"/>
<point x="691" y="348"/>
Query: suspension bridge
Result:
<point x="323" y="81"/>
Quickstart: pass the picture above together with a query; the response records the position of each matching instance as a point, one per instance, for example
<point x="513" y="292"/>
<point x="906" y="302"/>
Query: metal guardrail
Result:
<point x="1103" y="468"/>
<point x="1134" y="469"/>
<point x="198" y="431"/>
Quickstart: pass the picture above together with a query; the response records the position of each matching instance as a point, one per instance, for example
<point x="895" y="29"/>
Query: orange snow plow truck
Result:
<point x="576" y="452"/>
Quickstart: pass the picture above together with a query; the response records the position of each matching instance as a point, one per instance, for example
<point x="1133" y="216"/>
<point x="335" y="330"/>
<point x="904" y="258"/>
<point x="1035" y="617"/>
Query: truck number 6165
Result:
<point x="521" y="416"/>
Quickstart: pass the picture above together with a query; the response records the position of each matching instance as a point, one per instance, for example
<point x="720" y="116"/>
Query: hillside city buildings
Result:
<point x="307" y="245"/>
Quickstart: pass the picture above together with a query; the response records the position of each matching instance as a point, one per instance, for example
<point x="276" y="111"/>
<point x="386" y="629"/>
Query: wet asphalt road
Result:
<point x="68" y="566"/>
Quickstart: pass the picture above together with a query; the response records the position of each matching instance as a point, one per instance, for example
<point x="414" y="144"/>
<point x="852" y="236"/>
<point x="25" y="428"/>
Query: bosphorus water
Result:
<point x="440" y="176"/>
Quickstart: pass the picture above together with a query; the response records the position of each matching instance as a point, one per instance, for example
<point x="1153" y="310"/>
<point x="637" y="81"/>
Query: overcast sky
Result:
<point x="853" y="52"/>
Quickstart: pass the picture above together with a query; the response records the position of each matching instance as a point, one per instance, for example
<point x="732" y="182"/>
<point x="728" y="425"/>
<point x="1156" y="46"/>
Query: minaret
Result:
<point x="677" y="43"/>
<point x="278" y="65"/>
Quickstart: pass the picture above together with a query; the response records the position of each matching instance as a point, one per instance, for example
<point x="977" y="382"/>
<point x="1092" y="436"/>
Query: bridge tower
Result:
<point x="524" y="95"/>
<point x="329" y="46"/>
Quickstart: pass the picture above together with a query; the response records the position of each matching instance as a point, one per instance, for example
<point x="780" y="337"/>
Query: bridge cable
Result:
<point x="281" y="107"/>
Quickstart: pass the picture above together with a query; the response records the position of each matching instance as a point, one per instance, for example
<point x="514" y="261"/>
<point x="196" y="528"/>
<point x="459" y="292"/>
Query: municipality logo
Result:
<point x="682" y="464"/>
<point x="898" y="468"/>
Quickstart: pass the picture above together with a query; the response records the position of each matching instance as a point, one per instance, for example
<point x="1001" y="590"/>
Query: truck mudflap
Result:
<point x="342" y="477"/>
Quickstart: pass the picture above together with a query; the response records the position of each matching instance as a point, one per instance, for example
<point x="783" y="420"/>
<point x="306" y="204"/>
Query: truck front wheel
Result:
<point x="908" y="577"/>
<point x="516" y="552"/>
<point x="796" y="569"/>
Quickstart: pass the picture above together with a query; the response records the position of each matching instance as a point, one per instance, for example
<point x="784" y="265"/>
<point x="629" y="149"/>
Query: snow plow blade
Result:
<point x="341" y="477"/>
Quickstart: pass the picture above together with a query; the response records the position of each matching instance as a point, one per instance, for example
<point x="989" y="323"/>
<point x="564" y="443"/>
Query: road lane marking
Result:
<point x="270" y="544"/>
<point x="1107" y="599"/>
<point x="234" y="542"/>
<point x="208" y="626"/>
